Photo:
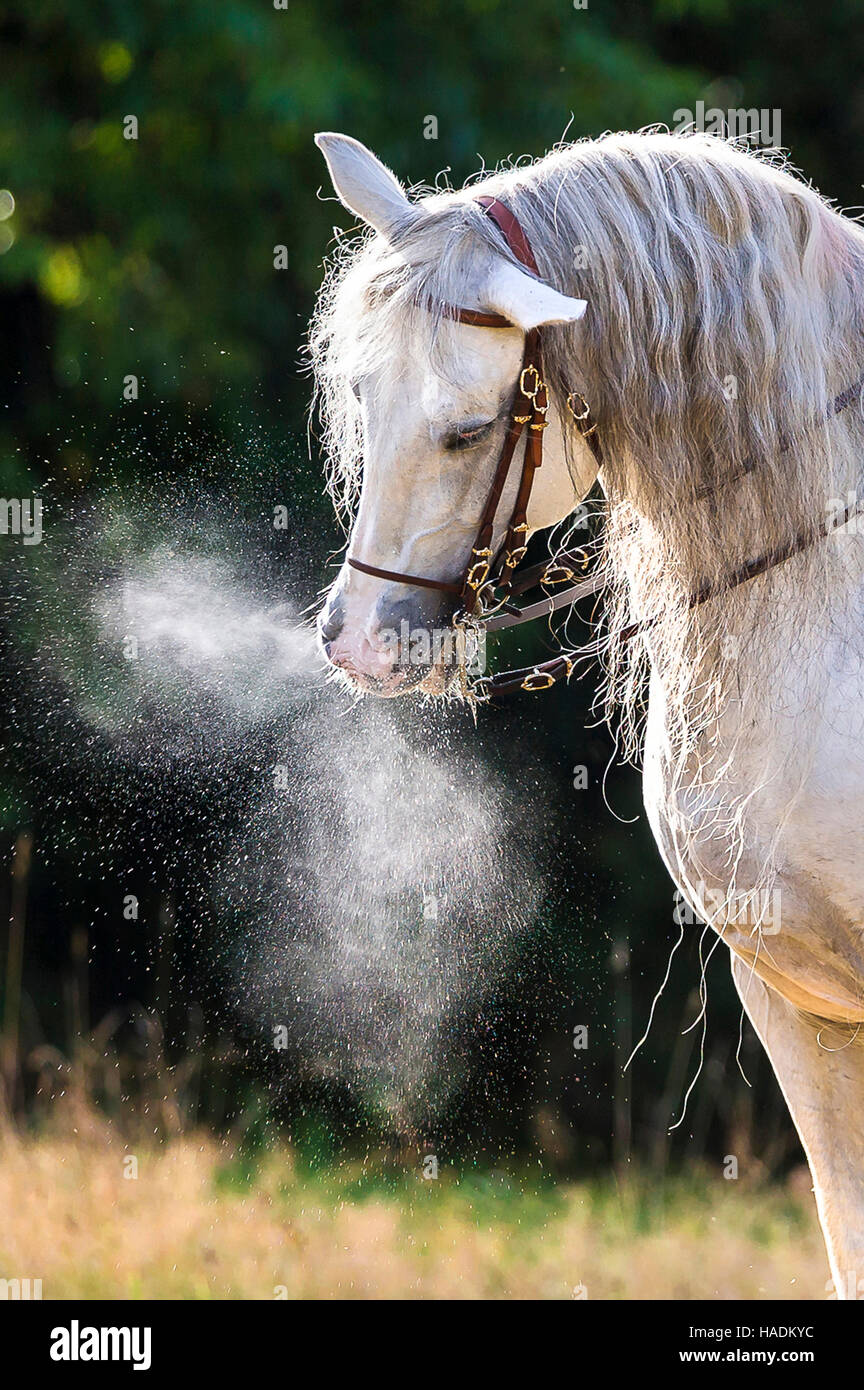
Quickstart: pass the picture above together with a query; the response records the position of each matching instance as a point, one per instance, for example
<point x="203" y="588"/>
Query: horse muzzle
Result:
<point x="409" y="646"/>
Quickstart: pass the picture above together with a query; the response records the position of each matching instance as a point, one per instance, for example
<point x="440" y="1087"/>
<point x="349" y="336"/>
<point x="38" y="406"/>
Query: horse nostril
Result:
<point x="332" y="621"/>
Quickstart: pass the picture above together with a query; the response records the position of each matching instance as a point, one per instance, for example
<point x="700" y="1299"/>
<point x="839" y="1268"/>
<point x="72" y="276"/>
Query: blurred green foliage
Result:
<point x="154" y="255"/>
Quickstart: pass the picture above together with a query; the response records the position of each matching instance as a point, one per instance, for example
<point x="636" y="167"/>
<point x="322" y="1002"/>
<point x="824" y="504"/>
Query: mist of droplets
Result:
<point x="378" y="876"/>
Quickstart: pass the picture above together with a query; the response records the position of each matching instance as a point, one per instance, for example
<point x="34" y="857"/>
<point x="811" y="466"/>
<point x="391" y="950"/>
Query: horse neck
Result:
<point x="712" y="411"/>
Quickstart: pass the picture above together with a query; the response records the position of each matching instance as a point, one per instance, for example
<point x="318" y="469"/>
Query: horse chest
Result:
<point x="799" y="775"/>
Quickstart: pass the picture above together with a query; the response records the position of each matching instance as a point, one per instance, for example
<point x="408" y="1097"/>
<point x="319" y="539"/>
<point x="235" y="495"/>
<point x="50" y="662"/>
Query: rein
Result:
<point x="488" y="582"/>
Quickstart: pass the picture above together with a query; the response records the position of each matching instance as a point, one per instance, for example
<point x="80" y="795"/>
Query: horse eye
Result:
<point x="466" y="438"/>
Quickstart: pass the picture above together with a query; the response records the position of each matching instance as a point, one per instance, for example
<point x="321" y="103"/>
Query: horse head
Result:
<point x="425" y="402"/>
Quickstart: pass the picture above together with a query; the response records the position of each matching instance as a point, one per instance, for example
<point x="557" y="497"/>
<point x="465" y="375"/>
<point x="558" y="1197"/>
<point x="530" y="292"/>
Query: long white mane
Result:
<point x="726" y="312"/>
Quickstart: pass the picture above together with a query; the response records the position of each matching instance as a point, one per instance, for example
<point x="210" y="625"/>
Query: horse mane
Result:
<point x="726" y="310"/>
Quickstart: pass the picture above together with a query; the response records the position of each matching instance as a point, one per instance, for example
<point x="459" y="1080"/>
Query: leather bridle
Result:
<point x="488" y="582"/>
<point x="486" y="575"/>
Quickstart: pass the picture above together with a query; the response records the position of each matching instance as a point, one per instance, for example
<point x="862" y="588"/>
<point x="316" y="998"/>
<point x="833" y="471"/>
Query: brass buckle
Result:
<point x="539" y="383"/>
<point x="478" y="573"/>
<point x="559" y="574"/>
<point x="538" y="680"/>
<point x="515" y="555"/>
<point x="580" y="415"/>
<point x="537" y="393"/>
<point x="542" y="680"/>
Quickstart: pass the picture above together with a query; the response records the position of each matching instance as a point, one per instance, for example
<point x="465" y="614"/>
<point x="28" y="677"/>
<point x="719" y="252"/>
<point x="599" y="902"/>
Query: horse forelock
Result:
<point x="381" y="298"/>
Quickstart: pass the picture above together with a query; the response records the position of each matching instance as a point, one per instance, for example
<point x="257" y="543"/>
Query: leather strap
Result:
<point x="548" y="673"/>
<point x="475" y="317"/>
<point x="545" y="607"/>
<point x="403" y="578"/>
<point x="559" y="570"/>
<point x="512" y="232"/>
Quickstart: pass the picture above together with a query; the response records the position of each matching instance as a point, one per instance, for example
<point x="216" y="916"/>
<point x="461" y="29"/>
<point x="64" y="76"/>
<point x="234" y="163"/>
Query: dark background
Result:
<point x="155" y="257"/>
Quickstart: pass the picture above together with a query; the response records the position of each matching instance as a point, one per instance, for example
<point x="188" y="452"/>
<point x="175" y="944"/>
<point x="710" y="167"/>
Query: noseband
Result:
<point x="486" y="575"/>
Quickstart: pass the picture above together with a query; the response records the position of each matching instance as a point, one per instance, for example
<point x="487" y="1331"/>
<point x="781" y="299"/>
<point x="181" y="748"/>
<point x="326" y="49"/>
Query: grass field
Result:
<point x="198" y="1223"/>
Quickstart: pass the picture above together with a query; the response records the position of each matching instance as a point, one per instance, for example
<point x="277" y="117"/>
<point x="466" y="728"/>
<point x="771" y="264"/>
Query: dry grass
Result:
<point x="198" y="1223"/>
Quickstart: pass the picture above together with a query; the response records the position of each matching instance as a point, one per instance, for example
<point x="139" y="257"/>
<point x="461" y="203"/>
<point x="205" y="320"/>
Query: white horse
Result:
<point x="721" y="353"/>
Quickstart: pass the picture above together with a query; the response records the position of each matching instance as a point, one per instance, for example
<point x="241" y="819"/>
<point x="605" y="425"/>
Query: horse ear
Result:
<point x="527" y="302"/>
<point x="364" y="184"/>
